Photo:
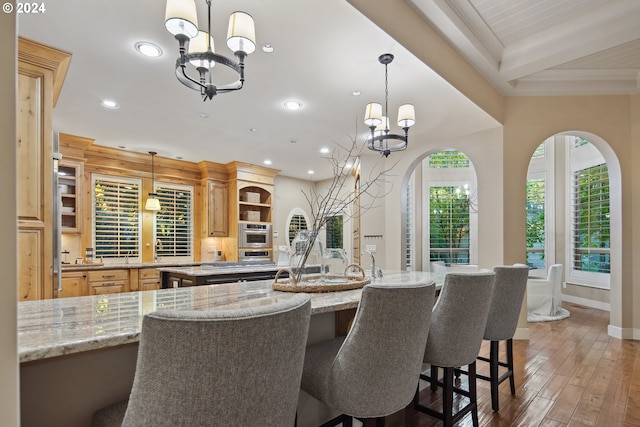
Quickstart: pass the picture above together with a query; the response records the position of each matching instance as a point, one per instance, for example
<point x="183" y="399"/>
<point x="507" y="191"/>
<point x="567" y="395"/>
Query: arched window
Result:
<point x="441" y="211"/>
<point x="298" y="220"/>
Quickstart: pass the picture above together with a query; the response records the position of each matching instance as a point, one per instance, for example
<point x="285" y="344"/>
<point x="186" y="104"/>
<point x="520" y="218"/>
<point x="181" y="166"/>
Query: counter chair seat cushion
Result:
<point x="373" y="371"/>
<point x="237" y="367"/>
<point x="457" y="327"/>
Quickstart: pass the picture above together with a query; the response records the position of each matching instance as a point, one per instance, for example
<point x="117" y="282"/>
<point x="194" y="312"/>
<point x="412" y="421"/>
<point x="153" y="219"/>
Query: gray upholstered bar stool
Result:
<point x="373" y="371"/>
<point x="506" y="304"/>
<point x="229" y="368"/>
<point x="457" y="325"/>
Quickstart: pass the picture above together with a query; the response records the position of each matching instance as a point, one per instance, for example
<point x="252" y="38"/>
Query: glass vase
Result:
<point x="306" y="254"/>
<point x="334" y="265"/>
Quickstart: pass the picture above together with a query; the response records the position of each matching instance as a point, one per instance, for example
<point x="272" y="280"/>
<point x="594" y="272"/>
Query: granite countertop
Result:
<point x="58" y="327"/>
<point x="217" y="269"/>
<point x="121" y="266"/>
<point x="219" y="265"/>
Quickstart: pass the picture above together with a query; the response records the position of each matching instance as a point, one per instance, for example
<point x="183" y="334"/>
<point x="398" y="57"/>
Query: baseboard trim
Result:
<point x="521" y="334"/>
<point x="624" y="333"/>
<point x="587" y="302"/>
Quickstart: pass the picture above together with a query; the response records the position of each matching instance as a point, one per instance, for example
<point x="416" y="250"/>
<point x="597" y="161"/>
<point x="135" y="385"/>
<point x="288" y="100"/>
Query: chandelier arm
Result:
<point x="185" y="79"/>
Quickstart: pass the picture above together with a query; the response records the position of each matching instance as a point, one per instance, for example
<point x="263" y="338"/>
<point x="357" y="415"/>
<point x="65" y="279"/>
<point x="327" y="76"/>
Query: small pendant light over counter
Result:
<point x="153" y="203"/>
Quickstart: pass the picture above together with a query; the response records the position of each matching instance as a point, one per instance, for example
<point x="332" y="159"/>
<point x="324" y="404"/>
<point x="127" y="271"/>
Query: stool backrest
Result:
<point x="233" y="367"/>
<point x="459" y="318"/>
<point x="377" y="368"/>
<point x="506" y="303"/>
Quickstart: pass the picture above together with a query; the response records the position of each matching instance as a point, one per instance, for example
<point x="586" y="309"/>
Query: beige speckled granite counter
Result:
<point x="58" y="327"/>
<point x="156" y="264"/>
<point x="208" y="269"/>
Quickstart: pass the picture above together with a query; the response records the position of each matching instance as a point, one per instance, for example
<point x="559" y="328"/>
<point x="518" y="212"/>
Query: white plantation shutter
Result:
<point x="116" y="217"/>
<point x="448" y="225"/>
<point x="297" y="223"/>
<point x="174" y="221"/>
<point x="591" y="228"/>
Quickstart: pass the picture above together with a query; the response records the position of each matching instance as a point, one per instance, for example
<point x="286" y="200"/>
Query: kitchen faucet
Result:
<point x="157" y="246"/>
<point x="373" y="263"/>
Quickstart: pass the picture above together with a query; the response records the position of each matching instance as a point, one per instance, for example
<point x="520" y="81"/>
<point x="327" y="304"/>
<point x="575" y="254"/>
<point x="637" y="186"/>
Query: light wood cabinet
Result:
<point x="254" y="202"/>
<point x="108" y="281"/>
<point x="41" y="71"/>
<point x="148" y="279"/>
<point x="70" y="178"/>
<point x="218" y="207"/>
<point x="74" y="284"/>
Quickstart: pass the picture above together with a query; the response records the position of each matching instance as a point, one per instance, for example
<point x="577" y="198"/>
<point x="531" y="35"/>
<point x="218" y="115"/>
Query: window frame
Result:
<point x="157" y="186"/>
<point x="580" y="158"/>
<point x="446" y="177"/>
<point x="119" y="180"/>
<point x="544" y="167"/>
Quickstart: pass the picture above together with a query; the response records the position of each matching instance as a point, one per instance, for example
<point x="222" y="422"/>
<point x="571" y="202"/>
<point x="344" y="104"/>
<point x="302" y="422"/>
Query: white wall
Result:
<point x="287" y="196"/>
<point x="9" y="385"/>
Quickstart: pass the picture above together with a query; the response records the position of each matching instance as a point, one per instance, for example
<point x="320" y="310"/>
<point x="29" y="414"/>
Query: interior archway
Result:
<point x="418" y="184"/>
<point x="586" y="294"/>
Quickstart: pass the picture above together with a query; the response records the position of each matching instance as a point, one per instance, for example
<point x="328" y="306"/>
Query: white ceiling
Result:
<point x="545" y="47"/>
<point x="324" y="50"/>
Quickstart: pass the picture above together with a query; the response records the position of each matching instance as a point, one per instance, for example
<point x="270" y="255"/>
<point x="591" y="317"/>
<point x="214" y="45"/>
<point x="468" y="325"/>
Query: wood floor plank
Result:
<point x="570" y="373"/>
<point x="566" y="403"/>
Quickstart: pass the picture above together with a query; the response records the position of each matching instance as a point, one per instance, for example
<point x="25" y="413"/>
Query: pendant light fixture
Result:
<point x="381" y="139"/>
<point x="153" y="203"/>
<point x="197" y="50"/>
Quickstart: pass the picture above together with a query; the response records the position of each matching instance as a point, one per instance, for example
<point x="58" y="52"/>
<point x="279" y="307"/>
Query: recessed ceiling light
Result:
<point x="204" y="115"/>
<point x="310" y="172"/>
<point x="107" y="103"/>
<point x="293" y="105"/>
<point x="267" y="48"/>
<point x="324" y="150"/>
<point x="267" y="162"/>
<point x="253" y="130"/>
<point x="355" y="93"/>
<point x="148" y="49"/>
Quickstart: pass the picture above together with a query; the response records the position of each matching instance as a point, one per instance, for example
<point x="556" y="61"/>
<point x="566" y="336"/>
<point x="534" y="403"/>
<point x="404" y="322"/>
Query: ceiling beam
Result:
<point x="586" y="34"/>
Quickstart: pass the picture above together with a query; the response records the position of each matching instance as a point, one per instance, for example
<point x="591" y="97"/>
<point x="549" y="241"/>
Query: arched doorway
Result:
<point x="577" y="177"/>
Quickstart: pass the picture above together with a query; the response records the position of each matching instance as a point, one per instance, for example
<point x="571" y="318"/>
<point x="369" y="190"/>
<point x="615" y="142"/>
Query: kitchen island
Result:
<point x="79" y="354"/>
<point x="213" y="274"/>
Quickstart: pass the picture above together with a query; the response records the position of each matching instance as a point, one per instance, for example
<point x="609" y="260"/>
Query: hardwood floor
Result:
<point x="570" y="373"/>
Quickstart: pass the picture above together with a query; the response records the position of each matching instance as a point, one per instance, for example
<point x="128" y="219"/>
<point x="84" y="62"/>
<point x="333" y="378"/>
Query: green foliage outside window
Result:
<point x="334" y="232"/>
<point x="535" y="222"/>
<point x="448" y="159"/>
<point x="448" y="225"/>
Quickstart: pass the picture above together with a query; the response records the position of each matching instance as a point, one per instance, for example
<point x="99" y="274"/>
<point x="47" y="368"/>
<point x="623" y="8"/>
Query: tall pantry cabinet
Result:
<point x="41" y="71"/>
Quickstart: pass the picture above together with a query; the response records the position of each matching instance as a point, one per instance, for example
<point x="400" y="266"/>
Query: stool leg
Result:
<point x="510" y="365"/>
<point x="473" y="394"/>
<point x="493" y="374"/>
<point x="434" y="377"/>
<point x="447" y="397"/>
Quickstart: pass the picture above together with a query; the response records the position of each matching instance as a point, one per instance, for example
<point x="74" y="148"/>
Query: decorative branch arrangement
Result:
<point x="339" y="194"/>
